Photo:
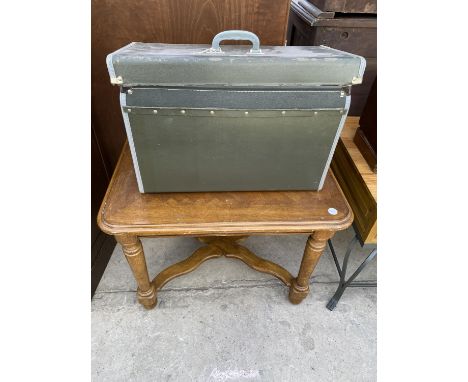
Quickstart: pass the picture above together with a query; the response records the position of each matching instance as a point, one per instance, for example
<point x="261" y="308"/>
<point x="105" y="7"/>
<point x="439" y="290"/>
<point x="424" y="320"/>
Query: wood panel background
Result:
<point x="115" y="23"/>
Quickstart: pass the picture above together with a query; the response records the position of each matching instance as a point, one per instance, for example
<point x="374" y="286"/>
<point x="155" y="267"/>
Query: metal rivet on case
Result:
<point x="211" y="112"/>
<point x="246" y="113"/>
<point x="182" y="112"/>
<point x="129" y="110"/>
<point x="332" y="211"/>
<point x="283" y="112"/>
<point x="341" y="111"/>
<point x="315" y="112"/>
<point x="130" y="91"/>
<point x="342" y="94"/>
<point x="155" y="111"/>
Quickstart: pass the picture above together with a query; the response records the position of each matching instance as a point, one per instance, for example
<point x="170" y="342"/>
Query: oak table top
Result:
<point x="219" y="220"/>
<point x="126" y="210"/>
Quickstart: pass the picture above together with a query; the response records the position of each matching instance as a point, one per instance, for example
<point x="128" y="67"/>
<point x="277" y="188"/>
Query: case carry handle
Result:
<point x="235" y="35"/>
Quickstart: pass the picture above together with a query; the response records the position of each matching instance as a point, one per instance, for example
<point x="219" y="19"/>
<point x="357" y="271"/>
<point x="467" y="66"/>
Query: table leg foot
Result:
<point x="313" y="250"/>
<point x="297" y="293"/>
<point x="148" y="298"/>
<point x="133" y="251"/>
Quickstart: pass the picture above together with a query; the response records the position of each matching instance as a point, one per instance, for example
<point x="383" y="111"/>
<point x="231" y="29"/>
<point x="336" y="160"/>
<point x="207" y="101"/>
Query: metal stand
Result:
<point x="342" y="272"/>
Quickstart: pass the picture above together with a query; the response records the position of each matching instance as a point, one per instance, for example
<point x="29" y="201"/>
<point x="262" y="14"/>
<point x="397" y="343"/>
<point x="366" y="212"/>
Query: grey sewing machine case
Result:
<point x="231" y="117"/>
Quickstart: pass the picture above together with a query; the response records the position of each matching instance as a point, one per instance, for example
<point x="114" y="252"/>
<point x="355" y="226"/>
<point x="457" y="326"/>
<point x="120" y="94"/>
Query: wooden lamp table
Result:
<point x="219" y="220"/>
<point x="359" y="184"/>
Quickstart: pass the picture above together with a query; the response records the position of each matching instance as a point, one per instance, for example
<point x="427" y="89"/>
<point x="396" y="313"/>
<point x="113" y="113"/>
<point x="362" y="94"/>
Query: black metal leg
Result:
<point x="362" y="266"/>
<point x="342" y="271"/>
<point x="336" y="297"/>
<point x="335" y="259"/>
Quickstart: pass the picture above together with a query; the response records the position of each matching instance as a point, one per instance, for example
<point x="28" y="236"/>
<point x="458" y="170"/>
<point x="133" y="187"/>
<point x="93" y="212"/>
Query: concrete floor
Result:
<point x="226" y="322"/>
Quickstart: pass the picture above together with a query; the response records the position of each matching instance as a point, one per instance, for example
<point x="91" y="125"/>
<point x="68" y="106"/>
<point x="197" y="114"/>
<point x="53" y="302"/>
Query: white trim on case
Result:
<point x="340" y="51"/>
<point x="362" y="65"/>
<point x="335" y="142"/>
<point x="123" y="103"/>
<point x="109" y="61"/>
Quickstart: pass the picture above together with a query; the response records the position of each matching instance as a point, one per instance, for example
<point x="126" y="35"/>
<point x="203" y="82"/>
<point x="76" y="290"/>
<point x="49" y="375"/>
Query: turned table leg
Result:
<point x="135" y="256"/>
<point x="313" y="250"/>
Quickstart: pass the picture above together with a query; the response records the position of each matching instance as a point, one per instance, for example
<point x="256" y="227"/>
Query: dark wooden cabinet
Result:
<point x="366" y="135"/>
<point x="355" y="33"/>
<point x="347" y="6"/>
<point x="116" y="23"/>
